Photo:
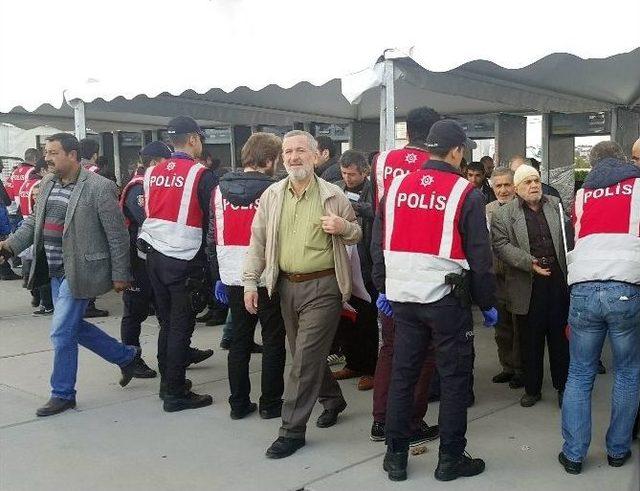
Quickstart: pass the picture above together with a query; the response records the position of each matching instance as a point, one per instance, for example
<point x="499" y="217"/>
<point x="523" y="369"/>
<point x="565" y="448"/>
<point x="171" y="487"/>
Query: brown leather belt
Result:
<point x="300" y="277"/>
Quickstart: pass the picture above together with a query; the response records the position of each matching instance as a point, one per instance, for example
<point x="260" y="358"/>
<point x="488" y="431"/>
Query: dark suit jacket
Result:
<point x="510" y="240"/>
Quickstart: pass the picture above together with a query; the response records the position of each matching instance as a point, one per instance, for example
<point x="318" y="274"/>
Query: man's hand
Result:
<point x="539" y="270"/>
<point x="333" y="224"/>
<point x="5" y="251"/>
<point x="251" y="302"/>
<point x="120" y="286"/>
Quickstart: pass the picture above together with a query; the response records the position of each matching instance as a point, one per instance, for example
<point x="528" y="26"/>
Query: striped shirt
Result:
<point x="55" y="213"/>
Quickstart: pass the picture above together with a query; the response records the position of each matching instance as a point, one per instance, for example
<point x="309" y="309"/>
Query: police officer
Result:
<point x="233" y="206"/>
<point x="386" y="166"/>
<point x="177" y="194"/>
<point x="435" y="234"/>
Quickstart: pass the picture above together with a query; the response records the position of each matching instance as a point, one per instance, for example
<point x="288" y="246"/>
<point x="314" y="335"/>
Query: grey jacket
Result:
<point x="510" y="241"/>
<point x="95" y="241"/>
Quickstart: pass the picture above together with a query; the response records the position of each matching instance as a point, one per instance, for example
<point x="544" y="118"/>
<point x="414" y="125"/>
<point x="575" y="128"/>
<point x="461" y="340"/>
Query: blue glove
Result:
<point x="490" y="317"/>
<point x="220" y="292"/>
<point x="384" y="306"/>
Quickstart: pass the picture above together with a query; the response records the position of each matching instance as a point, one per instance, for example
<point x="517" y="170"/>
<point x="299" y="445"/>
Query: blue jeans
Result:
<point x="598" y="309"/>
<point x="68" y="329"/>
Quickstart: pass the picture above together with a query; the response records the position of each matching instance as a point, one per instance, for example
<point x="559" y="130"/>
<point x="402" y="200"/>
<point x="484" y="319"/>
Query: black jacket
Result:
<point x="608" y="172"/>
<point x="330" y="170"/>
<point x="240" y="189"/>
<point x="364" y="212"/>
<point x="475" y="243"/>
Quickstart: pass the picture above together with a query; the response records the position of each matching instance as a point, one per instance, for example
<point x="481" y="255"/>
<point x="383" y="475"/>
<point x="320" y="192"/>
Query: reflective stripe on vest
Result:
<point x="174" y="218"/>
<point x="422" y="243"/>
<point x="393" y="163"/>
<point x="232" y="234"/>
<point x="125" y="192"/>
<point x="25" y="196"/>
<point x="607" y="231"/>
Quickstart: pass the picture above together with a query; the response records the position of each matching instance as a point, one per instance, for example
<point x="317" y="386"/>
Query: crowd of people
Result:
<point x="328" y="254"/>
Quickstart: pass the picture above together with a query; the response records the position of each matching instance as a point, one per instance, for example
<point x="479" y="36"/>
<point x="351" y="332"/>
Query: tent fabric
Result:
<point x="155" y="47"/>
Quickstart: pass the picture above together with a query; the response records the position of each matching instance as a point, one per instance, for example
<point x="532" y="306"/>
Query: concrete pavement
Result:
<point x="120" y="439"/>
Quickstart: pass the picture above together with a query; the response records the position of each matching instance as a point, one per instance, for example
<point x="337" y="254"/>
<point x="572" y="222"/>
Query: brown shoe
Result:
<point x="365" y="382"/>
<point x="345" y="373"/>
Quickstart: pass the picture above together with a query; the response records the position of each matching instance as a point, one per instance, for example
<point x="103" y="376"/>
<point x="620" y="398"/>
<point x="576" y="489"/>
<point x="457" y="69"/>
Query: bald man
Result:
<point x="635" y="152"/>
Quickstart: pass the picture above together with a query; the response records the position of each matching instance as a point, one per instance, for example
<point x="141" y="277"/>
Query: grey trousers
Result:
<point x="311" y="312"/>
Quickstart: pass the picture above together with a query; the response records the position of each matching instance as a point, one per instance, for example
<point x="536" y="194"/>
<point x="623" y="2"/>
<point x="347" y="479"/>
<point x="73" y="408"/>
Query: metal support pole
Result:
<point x="387" y="108"/>
<point x="116" y="157"/>
<point x="233" y="149"/>
<point x="546" y="160"/>
<point x="79" y="120"/>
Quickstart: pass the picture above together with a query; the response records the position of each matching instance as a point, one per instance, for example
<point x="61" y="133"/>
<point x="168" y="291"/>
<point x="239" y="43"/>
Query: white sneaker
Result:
<point x="336" y="359"/>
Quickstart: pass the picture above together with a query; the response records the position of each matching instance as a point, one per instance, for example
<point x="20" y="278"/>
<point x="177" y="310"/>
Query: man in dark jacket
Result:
<point x="360" y="337"/>
<point x="328" y="167"/>
<point x="233" y="205"/>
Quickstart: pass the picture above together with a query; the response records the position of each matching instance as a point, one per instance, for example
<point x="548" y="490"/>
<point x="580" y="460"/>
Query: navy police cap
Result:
<point x="448" y="133"/>
<point x="183" y="125"/>
<point x="156" y="149"/>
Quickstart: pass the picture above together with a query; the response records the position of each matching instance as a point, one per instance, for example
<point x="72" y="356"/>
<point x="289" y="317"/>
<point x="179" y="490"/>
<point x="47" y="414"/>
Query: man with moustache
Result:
<point x="506" y="333"/>
<point x="298" y="245"/>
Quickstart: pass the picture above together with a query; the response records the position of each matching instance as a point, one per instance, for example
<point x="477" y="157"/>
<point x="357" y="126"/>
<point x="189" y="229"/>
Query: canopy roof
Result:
<point x="254" y="62"/>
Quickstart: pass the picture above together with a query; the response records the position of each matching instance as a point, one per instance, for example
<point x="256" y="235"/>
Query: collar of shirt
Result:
<point x="523" y="203"/>
<point x="73" y="180"/>
<point x="309" y="187"/>
<point x="441" y="166"/>
<point x="181" y="155"/>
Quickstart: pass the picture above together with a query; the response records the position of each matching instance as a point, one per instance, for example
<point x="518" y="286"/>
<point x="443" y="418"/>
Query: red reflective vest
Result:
<point x="174" y="217"/>
<point x="18" y="177"/>
<point x="123" y="196"/>
<point x="422" y="241"/>
<point x="25" y="196"/>
<point x="393" y="163"/>
<point x="607" y="231"/>
<point x="232" y="234"/>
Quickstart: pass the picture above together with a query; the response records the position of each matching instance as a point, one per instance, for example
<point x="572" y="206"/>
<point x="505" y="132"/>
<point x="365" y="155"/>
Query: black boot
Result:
<point x="395" y="465"/>
<point x="452" y="467"/>
<point x="199" y="355"/>
<point x="142" y="370"/>
<point x="163" y="388"/>
<point x="187" y="400"/>
<point x="55" y="405"/>
<point x="128" y="370"/>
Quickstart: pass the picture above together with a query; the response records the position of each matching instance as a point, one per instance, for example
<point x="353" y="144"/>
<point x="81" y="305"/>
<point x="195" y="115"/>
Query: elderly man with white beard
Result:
<point x="298" y="247"/>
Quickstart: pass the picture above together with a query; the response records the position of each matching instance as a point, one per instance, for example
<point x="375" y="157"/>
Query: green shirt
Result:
<point x="304" y="246"/>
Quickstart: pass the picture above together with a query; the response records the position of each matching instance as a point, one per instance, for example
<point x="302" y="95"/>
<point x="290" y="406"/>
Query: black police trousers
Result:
<point x="450" y="327"/>
<point x="136" y="302"/>
<point x="168" y="277"/>
<point x="273" y="354"/>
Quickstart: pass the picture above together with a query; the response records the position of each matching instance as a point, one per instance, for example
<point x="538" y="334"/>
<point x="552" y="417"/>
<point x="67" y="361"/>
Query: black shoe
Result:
<point x="601" y="368"/>
<point x="377" y="432"/>
<point x="560" y="397"/>
<point x="569" y="465"/>
<point x="329" y="417"/>
<point x="245" y="411"/>
<point x="271" y="413"/>
<point x="188" y="400"/>
<point x="205" y="317"/>
<point x="502" y="378"/>
<point x="395" y="465"/>
<point x="42" y="312"/>
<point x="452" y="467"/>
<point x="529" y="400"/>
<point x="225" y="344"/>
<point x="93" y="312"/>
<point x="163" y="388"/>
<point x="128" y="370"/>
<point x="425" y="434"/>
<point x="10" y="276"/>
<point x="618" y="461"/>
<point x="217" y="319"/>
<point x="256" y="348"/>
<point x="516" y="382"/>
<point x="283" y="447"/>
<point x="55" y="405"/>
<point x="142" y="370"/>
<point x="199" y="355"/>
